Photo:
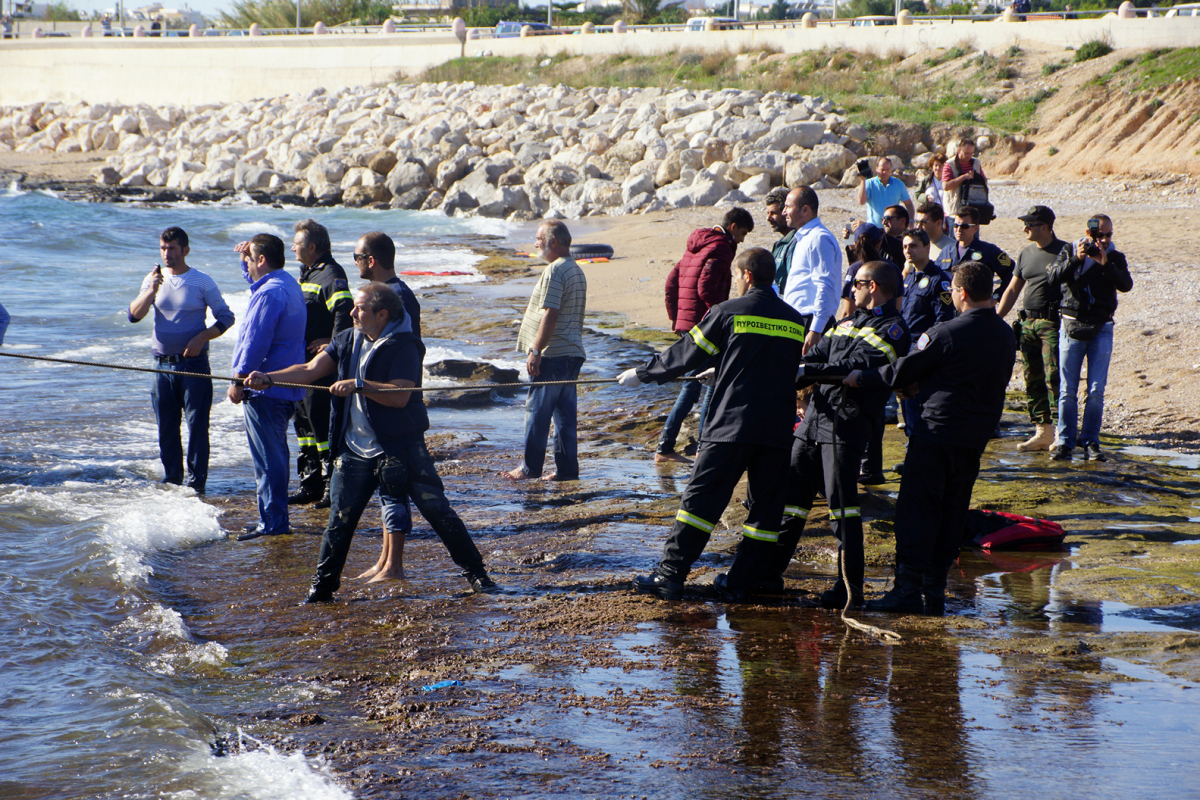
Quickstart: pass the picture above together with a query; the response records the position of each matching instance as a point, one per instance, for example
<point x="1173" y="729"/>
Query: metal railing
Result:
<point x="24" y="30"/>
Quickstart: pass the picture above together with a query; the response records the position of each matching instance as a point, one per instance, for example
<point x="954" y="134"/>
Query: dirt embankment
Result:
<point x="1102" y="121"/>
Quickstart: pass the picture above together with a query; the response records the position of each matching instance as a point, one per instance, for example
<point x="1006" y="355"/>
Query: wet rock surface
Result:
<point x="574" y="686"/>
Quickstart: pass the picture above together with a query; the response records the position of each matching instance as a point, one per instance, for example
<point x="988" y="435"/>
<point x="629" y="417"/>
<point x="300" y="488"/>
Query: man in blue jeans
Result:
<point x="551" y="336"/>
<point x="1091" y="273"/>
<point x="181" y="299"/>
<point x="377" y="435"/>
<point x="271" y="337"/>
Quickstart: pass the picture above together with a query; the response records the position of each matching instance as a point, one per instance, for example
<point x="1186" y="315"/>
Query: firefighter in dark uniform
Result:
<point x="959" y="371"/>
<point x="927" y="298"/>
<point x="838" y="425"/>
<point x="969" y="247"/>
<point x="328" y="302"/>
<point x="756" y="341"/>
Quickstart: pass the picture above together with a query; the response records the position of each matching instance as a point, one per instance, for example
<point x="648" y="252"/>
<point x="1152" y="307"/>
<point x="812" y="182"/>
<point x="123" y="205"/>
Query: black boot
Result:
<point x="320" y="591"/>
<point x="659" y="584"/>
<point x="933" y="589"/>
<point x="835" y="597"/>
<point x="905" y="595"/>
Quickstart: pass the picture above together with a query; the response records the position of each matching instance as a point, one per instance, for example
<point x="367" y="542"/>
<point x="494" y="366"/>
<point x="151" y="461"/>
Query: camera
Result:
<point x="864" y="167"/>
<point x="1090" y="247"/>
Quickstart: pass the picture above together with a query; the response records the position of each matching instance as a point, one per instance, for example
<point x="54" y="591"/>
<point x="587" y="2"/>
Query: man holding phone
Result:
<point x="181" y="300"/>
<point x="880" y="192"/>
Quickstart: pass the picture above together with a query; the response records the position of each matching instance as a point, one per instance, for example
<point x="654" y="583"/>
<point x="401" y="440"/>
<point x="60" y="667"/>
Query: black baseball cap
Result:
<point x="1040" y="214"/>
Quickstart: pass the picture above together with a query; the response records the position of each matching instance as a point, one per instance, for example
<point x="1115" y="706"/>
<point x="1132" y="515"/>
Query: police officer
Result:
<point x="927" y="298"/>
<point x="756" y="341"/>
<point x="328" y="302"/>
<point x="969" y="247"/>
<point x="959" y="371"/>
<point x="838" y="425"/>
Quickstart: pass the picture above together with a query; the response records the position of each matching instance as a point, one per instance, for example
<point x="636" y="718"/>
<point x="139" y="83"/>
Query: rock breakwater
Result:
<point x="501" y="151"/>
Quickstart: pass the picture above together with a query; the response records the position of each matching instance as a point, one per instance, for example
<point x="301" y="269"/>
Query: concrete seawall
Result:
<point x="223" y="69"/>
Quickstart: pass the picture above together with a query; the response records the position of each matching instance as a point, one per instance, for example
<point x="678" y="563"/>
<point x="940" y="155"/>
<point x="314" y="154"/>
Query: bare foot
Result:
<point x="668" y="458"/>
<point x="553" y="476"/>
<point x="388" y="575"/>
<point x="369" y="573"/>
<point x="518" y="474"/>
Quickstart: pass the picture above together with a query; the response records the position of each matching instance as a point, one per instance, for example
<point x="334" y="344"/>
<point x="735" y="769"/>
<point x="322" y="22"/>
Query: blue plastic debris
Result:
<point x="440" y="685"/>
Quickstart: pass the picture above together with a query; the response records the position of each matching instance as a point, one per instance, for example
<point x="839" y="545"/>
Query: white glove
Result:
<point x="709" y="376"/>
<point x="629" y="379"/>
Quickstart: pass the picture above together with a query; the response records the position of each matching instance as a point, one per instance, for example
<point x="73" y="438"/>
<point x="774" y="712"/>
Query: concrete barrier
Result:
<point x="190" y="70"/>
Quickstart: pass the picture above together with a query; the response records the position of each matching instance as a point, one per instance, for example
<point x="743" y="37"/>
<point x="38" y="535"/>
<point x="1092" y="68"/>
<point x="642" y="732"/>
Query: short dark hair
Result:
<point x="738" y="216"/>
<point x="380" y="296"/>
<point x="557" y="229"/>
<point x="975" y="278"/>
<point x="932" y="210"/>
<point x="968" y="213"/>
<point x="759" y="263"/>
<point x="174" y="234"/>
<point x="1102" y="218"/>
<point x="777" y="196"/>
<point x="379" y="246"/>
<point x="967" y="140"/>
<point x="916" y="233"/>
<point x="270" y="247"/>
<point x="807" y="197"/>
<point x="315" y="234"/>
<point x="902" y="211"/>
<point x="883" y="273"/>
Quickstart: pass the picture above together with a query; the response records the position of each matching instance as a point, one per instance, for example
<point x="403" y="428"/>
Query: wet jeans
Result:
<point x="1071" y="355"/>
<point x="175" y="398"/>
<point x="557" y="403"/>
<point x="688" y="395"/>
<point x="266" y="430"/>
<point x="411" y="473"/>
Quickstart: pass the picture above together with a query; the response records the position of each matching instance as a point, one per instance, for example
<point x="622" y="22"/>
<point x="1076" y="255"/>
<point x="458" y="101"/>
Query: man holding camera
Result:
<point x="1037" y="326"/>
<point x="1090" y="273"/>
<point x="960" y="174"/>
<point x="880" y="192"/>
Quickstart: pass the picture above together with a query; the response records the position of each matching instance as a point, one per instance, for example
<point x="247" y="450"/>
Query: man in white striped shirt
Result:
<point x="814" y="276"/>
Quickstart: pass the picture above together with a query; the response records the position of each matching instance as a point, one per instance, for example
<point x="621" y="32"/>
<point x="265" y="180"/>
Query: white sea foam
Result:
<point x="161" y="631"/>
<point x="245" y="230"/>
<point x="142" y="520"/>
<point x="262" y="773"/>
<point x="14" y="189"/>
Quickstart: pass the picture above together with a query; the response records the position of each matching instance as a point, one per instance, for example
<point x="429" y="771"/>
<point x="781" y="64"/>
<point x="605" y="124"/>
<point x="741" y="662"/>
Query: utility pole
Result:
<point x="297" y="16"/>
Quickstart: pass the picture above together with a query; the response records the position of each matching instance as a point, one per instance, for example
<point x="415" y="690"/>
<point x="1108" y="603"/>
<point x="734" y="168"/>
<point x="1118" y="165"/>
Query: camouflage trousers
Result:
<point x="1039" y="350"/>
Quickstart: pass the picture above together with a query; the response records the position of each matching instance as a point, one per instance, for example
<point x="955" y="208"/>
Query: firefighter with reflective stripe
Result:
<point x="328" y="302"/>
<point x="959" y="371"/>
<point x="838" y="425"/>
<point x="756" y="341"/>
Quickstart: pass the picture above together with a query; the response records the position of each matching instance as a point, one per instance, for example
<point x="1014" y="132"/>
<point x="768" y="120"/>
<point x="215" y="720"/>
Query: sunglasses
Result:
<point x="859" y="284"/>
<point x="360" y="257"/>
<point x="1102" y="235"/>
<point x="962" y="226"/>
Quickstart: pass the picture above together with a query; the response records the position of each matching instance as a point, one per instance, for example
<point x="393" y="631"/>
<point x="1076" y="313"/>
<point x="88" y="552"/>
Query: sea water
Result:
<point x="99" y="694"/>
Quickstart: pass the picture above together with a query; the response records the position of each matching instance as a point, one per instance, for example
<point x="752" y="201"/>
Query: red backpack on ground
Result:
<point x="997" y="530"/>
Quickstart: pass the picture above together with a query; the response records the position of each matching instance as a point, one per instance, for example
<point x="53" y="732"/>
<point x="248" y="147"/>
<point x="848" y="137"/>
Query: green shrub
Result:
<point x="1050" y="69"/>
<point x="1096" y="48"/>
<point x="1053" y="150"/>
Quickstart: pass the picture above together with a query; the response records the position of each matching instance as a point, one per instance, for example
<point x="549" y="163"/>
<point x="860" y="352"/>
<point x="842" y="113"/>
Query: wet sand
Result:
<point x="573" y="686"/>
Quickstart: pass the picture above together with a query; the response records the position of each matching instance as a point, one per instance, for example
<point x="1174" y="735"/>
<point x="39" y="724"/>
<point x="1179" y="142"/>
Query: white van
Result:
<point x="719" y="23"/>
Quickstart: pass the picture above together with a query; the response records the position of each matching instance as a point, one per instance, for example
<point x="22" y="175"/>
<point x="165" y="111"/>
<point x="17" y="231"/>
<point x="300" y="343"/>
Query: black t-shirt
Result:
<point x="1032" y="267"/>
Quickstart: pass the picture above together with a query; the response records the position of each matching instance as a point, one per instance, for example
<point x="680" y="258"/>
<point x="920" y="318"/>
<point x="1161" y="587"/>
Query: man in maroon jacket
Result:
<point x="697" y="283"/>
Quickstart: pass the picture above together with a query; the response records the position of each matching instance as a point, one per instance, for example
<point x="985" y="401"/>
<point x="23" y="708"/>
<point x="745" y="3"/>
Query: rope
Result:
<point x="462" y="387"/>
<point x="871" y="630"/>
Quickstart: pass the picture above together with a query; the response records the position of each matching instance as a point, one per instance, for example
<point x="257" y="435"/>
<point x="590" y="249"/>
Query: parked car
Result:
<point x="511" y="30"/>
<point x="1188" y="10"/>
<point x="872" y="22"/>
<point x="719" y="23"/>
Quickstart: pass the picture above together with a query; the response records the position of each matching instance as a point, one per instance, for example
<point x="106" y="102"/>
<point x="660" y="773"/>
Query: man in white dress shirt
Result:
<point x="814" y="277"/>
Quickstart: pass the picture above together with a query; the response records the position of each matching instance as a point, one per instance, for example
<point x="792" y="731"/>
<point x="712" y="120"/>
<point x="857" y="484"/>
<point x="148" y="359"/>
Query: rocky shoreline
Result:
<point x="515" y="152"/>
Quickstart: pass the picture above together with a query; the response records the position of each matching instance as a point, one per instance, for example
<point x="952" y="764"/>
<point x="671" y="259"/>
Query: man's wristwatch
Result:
<point x="533" y="351"/>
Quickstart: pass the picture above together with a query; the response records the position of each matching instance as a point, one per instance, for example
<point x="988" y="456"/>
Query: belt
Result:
<point x="176" y="359"/>
<point x="1050" y="315"/>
